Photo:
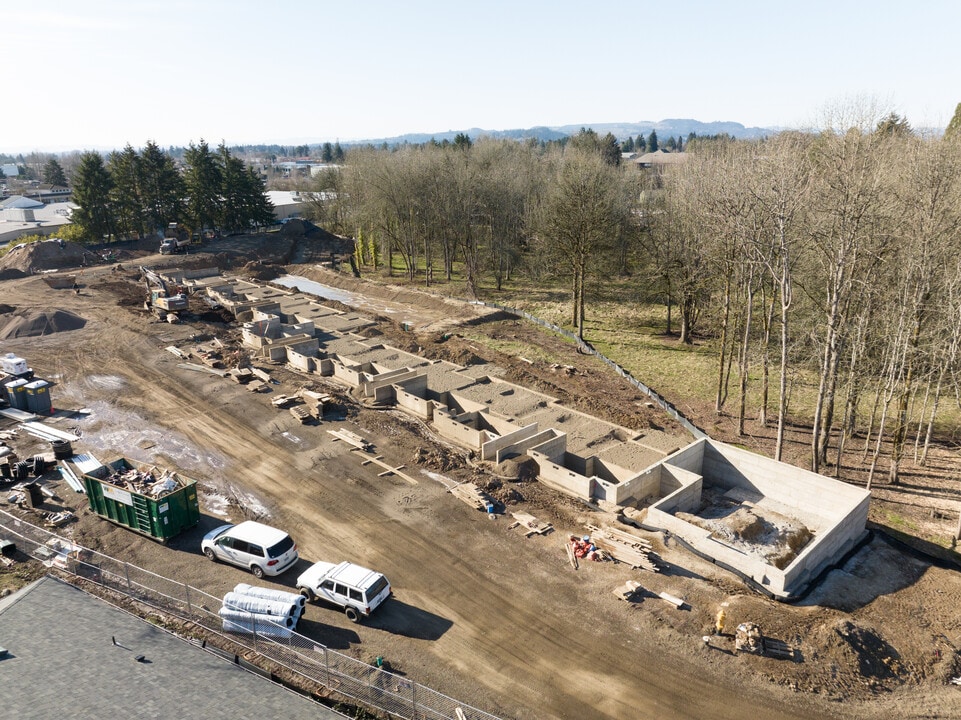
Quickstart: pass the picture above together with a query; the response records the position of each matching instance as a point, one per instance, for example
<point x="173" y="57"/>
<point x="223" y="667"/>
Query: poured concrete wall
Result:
<point x="521" y="447"/>
<point x="411" y="395"/>
<point x="380" y="386"/>
<point x="835" y="512"/>
<point x="493" y="448"/>
<point x="449" y="427"/>
<point x="302" y="358"/>
<point x="642" y="486"/>
<point x="561" y="478"/>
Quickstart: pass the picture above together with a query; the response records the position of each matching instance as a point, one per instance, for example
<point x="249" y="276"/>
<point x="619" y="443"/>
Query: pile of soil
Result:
<point x="34" y="323"/>
<point x="46" y="255"/>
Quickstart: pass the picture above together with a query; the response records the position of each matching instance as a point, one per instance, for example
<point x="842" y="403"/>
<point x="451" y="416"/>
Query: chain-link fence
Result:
<point x="295" y="655"/>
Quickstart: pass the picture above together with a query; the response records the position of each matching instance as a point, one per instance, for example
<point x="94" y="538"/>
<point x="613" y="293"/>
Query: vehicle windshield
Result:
<point x="281" y="547"/>
<point x="377" y="588"/>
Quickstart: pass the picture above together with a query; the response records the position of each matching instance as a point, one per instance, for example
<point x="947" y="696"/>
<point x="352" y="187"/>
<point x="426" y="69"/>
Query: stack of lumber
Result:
<point x="472" y="495"/>
<point x="530" y="525"/>
<point x="623" y="547"/>
<point x="352" y="439"/>
<point x="301" y="413"/>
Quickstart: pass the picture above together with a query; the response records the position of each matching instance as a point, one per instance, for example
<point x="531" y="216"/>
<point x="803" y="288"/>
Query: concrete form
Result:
<point x="835" y="512"/>
<point x="575" y="453"/>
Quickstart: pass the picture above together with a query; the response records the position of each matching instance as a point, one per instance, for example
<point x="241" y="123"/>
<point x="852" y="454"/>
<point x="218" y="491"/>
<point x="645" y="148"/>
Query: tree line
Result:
<point x="135" y="193"/>
<point x="827" y="257"/>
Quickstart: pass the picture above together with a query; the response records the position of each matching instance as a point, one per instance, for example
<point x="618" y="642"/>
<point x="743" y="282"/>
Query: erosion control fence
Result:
<point x="588" y="349"/>
<point x="283" y="653"/>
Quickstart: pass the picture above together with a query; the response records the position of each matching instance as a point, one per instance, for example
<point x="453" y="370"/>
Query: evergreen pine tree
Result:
<point x="53" y="173"/>
<point x="91" y="191"/>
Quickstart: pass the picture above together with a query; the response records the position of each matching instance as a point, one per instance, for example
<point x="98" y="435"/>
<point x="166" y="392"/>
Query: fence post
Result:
<point x="187" y="595"/>
<point x="327" y="666"/>
<point x="126" y="574"/>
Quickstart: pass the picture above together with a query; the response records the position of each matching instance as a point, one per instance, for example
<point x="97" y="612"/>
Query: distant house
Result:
<point x="47" y="194"/>
<point x="659" y="158"/>
<point x="10" y="169"/>
<point x="287" y="203"/>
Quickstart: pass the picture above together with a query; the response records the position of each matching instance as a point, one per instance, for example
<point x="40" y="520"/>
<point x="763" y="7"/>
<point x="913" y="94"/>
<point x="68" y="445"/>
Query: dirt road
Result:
<point x="481" y="613"/>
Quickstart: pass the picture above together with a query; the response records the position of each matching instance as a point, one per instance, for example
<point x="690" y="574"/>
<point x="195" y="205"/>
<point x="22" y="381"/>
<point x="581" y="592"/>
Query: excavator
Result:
<point x="160" y="299"/>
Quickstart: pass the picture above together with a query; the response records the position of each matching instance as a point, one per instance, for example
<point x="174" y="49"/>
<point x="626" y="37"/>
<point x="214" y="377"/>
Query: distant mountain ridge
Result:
<point x="671" y="127"/>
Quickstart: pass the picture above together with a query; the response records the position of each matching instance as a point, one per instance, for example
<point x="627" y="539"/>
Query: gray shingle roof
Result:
<point x="62" y="663"/>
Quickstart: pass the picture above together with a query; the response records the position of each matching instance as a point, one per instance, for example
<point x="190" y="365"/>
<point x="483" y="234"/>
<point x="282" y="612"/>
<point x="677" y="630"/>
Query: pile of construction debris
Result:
<point x="144" y="482"/>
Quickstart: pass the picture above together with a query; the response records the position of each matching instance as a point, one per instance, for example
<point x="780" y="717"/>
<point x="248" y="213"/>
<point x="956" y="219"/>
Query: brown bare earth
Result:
<point x="481" y="613"/>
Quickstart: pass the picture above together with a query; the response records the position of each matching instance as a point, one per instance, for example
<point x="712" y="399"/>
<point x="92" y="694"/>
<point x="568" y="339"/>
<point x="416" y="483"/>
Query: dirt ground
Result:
<point x="481" y="613"/>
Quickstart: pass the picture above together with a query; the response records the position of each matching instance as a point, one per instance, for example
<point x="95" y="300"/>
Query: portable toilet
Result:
<point x="38" y="397"/>
<point x="16" y="393"/>
<point x="10" y="364"/>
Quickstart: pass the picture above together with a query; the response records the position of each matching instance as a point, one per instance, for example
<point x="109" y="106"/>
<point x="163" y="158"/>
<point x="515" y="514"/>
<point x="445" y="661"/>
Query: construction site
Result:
<point x="557" y="545"/>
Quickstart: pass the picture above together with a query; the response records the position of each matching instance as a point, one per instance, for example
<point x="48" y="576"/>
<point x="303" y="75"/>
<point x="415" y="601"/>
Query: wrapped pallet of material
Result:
<point x="271" y="594"/>
<point x="239" y="621"/>
<point x="248" y="603"/>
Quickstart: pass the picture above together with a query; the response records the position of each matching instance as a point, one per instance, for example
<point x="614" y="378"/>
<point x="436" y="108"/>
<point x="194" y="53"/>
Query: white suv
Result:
<point x="260" y="548"/>
<point x="354" y="588"/>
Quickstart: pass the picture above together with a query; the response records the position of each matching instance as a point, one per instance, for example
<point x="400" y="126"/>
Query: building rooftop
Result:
<point x="61" y="662"/>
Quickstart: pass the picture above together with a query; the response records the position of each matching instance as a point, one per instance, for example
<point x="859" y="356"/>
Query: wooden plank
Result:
<point x="390" y="470"/>
<point x="673" y="599"/>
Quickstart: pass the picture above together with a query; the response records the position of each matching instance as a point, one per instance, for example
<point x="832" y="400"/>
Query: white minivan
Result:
<point x="356" y="589"/>
<point x="260" y="548"/>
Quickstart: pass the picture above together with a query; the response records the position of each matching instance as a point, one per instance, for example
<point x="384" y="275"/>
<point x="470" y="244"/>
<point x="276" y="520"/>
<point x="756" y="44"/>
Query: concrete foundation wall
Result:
<point x="492" y="448"/>
<point x="410" y="396"/>
<point x="560" y="478"/>
<point x="828" y="546"/>
<point x="690" y="458"/>
<point x="819" y="502"/>
<point x="686" y="498"/>
<point x="641" y="487"/>
<point x="520" y="448"/>
<point x="835" y="512"/>
<point x="553" y="450"/>
<point x="464" y="435"/>
<point x="375" y="387"/>
<point x="325" y="367"/>
<point x="347" y="375"/>
<point x="304" y="328"/>
<point x="304" y="362"/>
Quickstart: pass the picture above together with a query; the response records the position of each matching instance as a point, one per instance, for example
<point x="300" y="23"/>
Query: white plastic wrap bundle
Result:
<point x="271" y="594"/>
<point x="249" y="603"/>
<point x="248" y="622"/>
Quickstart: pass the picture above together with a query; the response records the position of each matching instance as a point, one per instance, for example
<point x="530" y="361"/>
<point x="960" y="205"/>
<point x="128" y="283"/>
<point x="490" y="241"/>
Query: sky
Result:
<point x="98" y="74"/>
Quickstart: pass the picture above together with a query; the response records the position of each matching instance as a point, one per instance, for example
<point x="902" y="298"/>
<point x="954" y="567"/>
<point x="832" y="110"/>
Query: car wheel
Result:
<point x="308" y="593"/>
<point x="211" y="555"/>
<point x="257" y="571"/>
<point x="352" y="614"/>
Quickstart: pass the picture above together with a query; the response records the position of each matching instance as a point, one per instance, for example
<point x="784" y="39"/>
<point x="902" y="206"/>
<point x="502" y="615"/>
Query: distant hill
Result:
<point x="672" y="127"/>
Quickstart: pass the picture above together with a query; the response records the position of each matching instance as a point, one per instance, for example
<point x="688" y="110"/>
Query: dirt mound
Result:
<point x="261" y="271"/>
<point x="11" y="273"/>
<point x="34" y="323"/>
<point x="849" y="645"/>
<point x="46" y="255"/>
